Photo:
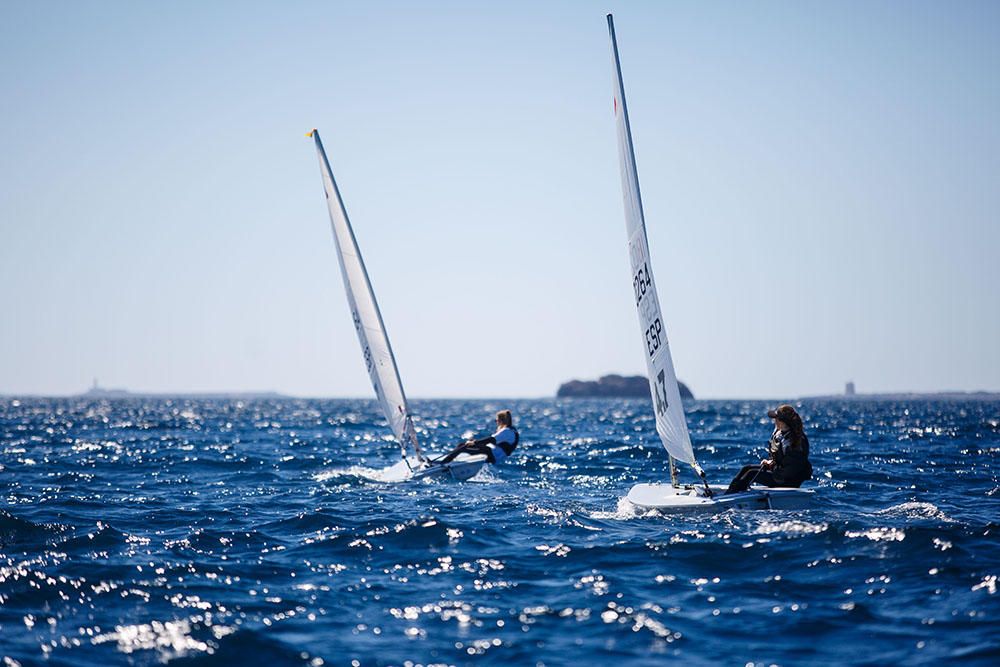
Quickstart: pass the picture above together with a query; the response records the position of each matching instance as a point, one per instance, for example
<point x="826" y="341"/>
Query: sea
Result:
<point x="149" y="531"/>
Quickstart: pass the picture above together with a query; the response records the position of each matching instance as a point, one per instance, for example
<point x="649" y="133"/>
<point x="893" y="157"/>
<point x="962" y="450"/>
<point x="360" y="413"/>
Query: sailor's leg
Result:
<point x="480" y="449"/>
<point x="743" y="478"/>
<point x="765" y="478"/>
<point x="448" y="458"/>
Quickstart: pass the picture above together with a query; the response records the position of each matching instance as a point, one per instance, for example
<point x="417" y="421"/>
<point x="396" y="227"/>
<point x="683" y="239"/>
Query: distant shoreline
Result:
<point x="125" y="394"/>
<point x="911" y="396"/>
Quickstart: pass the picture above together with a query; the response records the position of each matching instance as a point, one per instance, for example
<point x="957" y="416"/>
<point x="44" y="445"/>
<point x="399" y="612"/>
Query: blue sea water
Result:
<point x="203" y="532"/>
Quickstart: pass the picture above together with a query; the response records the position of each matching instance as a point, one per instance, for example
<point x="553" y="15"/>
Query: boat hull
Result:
<point x="682" y="499"/>
<point x="461" y="469"/>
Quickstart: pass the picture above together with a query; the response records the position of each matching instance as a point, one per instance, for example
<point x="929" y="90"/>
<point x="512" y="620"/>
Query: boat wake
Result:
<point x="398" y="472"/>
<point x="485" y="476"/>
<point x="624" y="511"/>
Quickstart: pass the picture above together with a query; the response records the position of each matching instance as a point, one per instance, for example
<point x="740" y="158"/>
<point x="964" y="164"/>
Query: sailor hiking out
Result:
<point x="496" y="447"/>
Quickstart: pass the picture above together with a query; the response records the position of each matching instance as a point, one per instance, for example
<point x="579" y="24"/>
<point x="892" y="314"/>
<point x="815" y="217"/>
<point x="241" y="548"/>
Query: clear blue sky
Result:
<point x="820" y="183"/>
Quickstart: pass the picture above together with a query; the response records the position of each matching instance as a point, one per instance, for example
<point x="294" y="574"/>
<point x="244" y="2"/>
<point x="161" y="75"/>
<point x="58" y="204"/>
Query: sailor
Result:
<point x="788" y="462"/>
<point x="496" y="447"/>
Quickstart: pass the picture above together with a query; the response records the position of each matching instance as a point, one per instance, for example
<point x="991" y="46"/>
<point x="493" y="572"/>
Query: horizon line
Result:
<point x="113" y="394"/>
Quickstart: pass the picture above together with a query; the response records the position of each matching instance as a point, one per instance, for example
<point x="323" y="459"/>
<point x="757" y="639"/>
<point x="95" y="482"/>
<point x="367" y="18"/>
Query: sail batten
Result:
<point x="376" y="350"/>
<point x="671" y="424"/>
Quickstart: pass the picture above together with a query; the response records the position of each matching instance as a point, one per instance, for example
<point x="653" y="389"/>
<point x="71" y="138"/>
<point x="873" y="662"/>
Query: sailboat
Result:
<point x="671" y="424"/>
<point x="375" y="347"/>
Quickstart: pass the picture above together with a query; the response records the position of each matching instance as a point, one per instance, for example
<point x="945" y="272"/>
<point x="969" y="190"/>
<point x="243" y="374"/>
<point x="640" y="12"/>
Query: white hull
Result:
<point x="670" y="499"/>
<point x="461" y="469"/>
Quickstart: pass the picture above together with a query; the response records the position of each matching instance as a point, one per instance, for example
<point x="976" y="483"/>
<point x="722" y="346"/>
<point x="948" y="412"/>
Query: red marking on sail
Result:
<point x="616" y="104"/>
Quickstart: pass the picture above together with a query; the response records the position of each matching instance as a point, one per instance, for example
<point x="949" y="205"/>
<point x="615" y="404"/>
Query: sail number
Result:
<point x="654" y="337"/>
<point x="661" y="400"/>
<point x="641" y="282"/>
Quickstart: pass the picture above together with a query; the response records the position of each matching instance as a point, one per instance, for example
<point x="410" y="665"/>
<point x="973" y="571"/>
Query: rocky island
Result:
<point x="613" y="386"/>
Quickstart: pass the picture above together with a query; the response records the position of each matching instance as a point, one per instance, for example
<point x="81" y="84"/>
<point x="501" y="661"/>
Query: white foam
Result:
<point x="553" y="515"/>
<point x="624" y="511"/>
<point x="916" y="510"/>
<point x="485" y="476"/>
<point x="397" y="472"/>
<point x="793" y="527"/>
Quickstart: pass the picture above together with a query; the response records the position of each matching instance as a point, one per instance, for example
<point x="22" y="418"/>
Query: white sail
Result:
<point x="374" y="341"/>
<point x="670" y="421"/>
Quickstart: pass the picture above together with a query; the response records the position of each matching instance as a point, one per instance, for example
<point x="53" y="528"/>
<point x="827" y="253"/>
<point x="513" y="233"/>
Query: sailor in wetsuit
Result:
<point x="497" y="447"/>
<point x="788" y="463"/>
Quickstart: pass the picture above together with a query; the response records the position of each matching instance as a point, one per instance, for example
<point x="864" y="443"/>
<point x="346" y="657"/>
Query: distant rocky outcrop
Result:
<point x="612" y="386"/>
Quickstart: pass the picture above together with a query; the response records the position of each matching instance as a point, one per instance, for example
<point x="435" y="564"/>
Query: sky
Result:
<point x="820" y="183"/>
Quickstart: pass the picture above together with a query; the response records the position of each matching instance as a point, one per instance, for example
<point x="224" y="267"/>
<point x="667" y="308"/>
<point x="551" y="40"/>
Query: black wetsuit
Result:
<point x="791" y="465"/>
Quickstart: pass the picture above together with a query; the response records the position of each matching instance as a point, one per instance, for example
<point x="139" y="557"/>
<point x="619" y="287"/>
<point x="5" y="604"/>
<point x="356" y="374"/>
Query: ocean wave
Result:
<point x="916" y="510"/>
<point x="792" y="527"/>
<point x="624" y="511"/>
<point x="15" y="531"/>
<point x="272" y="532"/>
<point x="878" y="534"/>
<point x="397" y="472"/>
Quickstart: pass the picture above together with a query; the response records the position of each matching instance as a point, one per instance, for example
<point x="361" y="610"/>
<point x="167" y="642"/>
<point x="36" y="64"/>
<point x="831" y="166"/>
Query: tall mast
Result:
<point x="671" y="424"/>
<point x="375" y="347"/>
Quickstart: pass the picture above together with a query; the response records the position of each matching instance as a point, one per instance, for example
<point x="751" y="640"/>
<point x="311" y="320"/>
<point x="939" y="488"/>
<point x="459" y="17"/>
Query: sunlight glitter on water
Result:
<point x="227" y="531"/>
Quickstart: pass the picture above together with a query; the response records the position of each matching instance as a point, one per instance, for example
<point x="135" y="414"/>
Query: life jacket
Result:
<point x="792" y="466"/>
<point x="504" y="449"/>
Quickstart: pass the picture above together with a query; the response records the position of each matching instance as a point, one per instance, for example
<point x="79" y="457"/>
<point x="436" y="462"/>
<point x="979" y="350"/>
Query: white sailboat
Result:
<point x="671" y="424"/>
<point x="375" y="347"/>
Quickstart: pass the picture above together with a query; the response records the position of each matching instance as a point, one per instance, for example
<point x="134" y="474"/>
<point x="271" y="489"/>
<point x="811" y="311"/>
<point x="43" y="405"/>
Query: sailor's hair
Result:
<point x="505" y="418"/>
<point x="791" y="418"/>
